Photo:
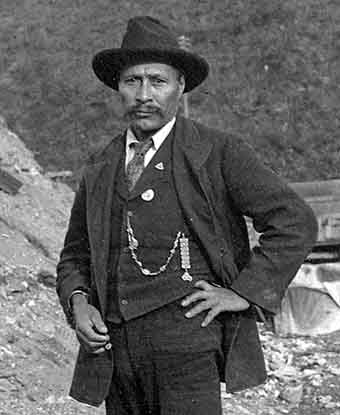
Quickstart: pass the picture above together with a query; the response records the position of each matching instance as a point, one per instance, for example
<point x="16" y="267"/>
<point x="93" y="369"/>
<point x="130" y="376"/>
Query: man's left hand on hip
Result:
<point x="213" y="299"/>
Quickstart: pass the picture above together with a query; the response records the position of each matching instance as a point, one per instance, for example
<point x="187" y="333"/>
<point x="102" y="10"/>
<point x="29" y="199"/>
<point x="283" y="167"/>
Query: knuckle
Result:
<point x="218" y="308"/>
<point x="213" y="312"/>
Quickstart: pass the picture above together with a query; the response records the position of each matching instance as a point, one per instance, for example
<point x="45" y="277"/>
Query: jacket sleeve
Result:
<point x="73" y="269"/>
<point x="286" y="223"/>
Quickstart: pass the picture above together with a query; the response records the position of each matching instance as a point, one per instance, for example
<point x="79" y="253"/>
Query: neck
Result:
<point x="142" y="135"/>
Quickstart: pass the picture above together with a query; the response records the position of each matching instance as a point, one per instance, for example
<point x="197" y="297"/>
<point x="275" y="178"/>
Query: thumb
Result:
<point x="203" y="285"/>
<point x="97" y="321"/>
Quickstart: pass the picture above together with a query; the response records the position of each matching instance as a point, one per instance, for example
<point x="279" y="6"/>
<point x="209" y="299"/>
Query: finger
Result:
<point x="204" y="285"/>
<point x="202" y="306"/>
<point x="93" y="349"/>
<point x="89" y="343"/>
<point x="83" y="342"/>
<point x="210" y="316"/>
<point x="88" y="332"/>
<point x="108" y="346"/>
<point x="98" y="322"/>
<point x="197" y="295"/>
<point x="98" y="351"/>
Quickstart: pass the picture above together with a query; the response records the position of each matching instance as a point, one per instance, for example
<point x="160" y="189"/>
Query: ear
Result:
<point x="118" y="80"/>
<point x="181" y="82"/>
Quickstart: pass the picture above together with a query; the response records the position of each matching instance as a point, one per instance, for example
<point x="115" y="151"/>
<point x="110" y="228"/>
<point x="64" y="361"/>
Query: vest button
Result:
<point x="124" y="302"/>
<point x="126" y="250"/>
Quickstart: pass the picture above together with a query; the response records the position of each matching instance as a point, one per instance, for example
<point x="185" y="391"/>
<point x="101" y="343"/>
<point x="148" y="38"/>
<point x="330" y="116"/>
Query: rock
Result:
<point x="6" y="389"/>
<point x="292" y="394"/>
<point x="316" y="381"/>
<point x="335" y="371"/>
<point x="50" y="400"/>
<point x="46" y="278"/>
<point x="327" y="402"/>
<point x="3" y="293"/>
<point x="10" y="320"/>
<point x="6" y="352"/>
<point x="286" y="373"/>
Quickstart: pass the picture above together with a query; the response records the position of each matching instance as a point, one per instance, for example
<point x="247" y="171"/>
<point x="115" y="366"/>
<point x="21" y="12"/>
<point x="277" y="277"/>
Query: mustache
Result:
<point x="143" y="108"/>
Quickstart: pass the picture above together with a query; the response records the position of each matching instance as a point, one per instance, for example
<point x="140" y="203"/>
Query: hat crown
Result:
<point x="145" y="32"/>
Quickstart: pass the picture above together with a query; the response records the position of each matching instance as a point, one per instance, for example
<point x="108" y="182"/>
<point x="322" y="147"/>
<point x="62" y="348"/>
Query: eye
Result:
<point x="158" y="81"/>
<point x="130" y="81"/>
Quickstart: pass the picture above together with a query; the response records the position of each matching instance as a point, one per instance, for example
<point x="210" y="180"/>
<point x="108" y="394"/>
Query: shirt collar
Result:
<point x="157" y="138"/>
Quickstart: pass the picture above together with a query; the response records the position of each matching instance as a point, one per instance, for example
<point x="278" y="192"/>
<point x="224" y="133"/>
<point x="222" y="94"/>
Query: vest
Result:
<point x="155" y="217"/>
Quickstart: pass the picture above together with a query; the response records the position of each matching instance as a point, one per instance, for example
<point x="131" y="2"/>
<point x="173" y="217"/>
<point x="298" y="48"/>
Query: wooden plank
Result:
<point x="318" y="189"/>
<point x="9" y="183"/>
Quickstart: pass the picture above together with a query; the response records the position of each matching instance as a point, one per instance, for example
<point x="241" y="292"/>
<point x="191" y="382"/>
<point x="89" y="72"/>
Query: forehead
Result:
<point x="147" y="69"/>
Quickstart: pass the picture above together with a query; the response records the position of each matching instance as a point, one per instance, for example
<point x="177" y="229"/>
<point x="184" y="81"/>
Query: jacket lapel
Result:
<point x="100" y="178"/>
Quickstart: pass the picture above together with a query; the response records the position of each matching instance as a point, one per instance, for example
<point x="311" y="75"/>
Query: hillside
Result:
<point x="274" y="76"/>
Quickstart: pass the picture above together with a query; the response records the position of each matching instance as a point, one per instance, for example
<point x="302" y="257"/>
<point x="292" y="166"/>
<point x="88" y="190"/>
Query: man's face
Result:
<point x="151" y="93"/>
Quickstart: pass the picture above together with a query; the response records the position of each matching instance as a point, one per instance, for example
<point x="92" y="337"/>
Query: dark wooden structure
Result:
<point x="324" y="199"/>
<point x="9" y="183"/>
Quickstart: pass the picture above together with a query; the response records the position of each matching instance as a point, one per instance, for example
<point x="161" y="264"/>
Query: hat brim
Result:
<point x="108" y="64"/>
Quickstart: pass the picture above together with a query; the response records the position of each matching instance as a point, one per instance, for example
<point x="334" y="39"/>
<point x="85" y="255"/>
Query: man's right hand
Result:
<point x="90" y="328"/>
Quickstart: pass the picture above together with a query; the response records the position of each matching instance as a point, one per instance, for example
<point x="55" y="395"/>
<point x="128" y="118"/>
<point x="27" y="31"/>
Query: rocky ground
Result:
<point x="37" y="352"/>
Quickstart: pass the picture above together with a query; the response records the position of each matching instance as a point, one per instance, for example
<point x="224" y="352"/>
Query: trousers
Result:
<point x="165" y="364"/>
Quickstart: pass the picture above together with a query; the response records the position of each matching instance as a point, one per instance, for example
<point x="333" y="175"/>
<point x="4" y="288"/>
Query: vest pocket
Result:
<point x="229" y="270"/>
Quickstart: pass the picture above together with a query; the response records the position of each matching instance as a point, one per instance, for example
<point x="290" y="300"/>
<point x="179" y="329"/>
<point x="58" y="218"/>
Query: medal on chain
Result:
<point x="185" y="257"/>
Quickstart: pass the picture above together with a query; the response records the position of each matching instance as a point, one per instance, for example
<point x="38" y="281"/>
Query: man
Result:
<point x="156" y="275"/>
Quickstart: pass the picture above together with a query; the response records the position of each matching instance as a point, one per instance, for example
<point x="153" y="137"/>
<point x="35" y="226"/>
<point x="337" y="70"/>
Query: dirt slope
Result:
<point x="33" y="221"/>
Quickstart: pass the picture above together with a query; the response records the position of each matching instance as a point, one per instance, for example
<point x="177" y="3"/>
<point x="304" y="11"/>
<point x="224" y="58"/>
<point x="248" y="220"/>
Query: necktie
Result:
<point x="135" y="166"/>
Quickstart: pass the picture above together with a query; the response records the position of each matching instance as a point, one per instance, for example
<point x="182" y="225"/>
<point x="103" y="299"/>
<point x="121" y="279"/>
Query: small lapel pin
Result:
<point x="160" y="166"/>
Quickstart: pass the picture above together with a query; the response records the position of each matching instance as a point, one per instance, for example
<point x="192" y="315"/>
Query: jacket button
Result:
<point x="124" y="302"/>
<point x="126" y="250"/>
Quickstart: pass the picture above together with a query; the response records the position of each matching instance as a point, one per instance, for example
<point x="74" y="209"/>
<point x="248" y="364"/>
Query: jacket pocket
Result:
<point x="244" y="364"/>
<point x="92" y="377"/>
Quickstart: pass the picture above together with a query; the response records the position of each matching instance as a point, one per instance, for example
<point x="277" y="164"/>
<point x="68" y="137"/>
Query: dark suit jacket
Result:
<point x="219" y="180"/>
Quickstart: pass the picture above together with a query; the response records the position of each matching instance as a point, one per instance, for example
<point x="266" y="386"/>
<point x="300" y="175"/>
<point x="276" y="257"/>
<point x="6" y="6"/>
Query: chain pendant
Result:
<point x="185" y="257"/>
<point x="186" y="276"/>
<point x="134" y="243"/>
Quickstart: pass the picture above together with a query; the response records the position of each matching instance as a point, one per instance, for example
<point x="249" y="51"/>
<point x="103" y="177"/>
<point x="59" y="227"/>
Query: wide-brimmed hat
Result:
<point x="148" y="40"/>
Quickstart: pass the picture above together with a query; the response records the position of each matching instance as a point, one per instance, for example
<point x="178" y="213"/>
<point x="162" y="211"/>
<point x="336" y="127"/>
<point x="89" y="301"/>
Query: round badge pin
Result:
<point x="148" y="195"/>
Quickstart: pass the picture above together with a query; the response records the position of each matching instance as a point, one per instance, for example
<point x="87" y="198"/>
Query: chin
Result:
<point x="146" y="125"/>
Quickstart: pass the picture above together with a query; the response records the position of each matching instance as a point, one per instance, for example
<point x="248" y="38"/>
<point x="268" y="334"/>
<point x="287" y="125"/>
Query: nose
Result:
<point x="144" y="92"/>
